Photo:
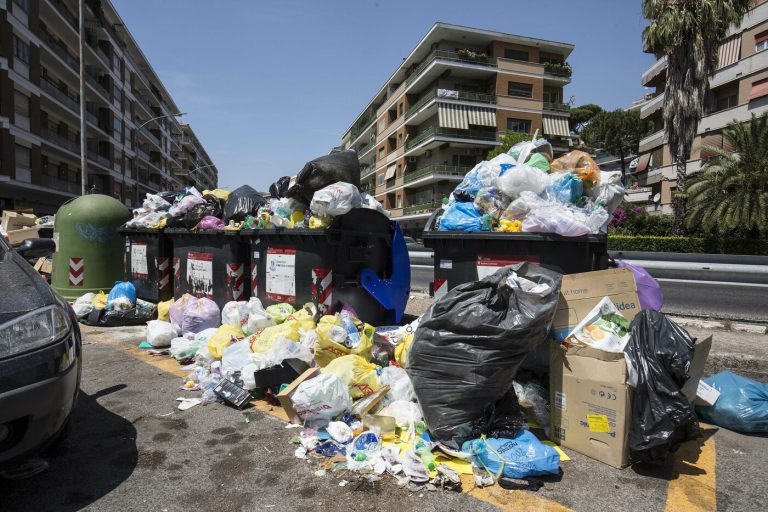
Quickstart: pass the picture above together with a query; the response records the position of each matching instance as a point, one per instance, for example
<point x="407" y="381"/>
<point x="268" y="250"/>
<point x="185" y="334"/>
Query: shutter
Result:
<point x="759" y="89"/>
<point x="642" y="164"/>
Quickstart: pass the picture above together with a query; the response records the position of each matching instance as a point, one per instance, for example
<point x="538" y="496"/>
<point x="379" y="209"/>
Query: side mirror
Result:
<point x="36" y="248"/>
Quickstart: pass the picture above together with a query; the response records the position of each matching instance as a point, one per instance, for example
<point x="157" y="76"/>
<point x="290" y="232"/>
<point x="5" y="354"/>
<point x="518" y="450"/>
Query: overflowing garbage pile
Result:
<point x="117" y="308"/>
<point x="325" y="188"/>
<point x="526" y="190"/>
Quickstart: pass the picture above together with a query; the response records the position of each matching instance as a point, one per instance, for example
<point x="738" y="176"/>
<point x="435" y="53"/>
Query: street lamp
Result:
<point x="142" y="125"/>
<point x="192" y="171"/>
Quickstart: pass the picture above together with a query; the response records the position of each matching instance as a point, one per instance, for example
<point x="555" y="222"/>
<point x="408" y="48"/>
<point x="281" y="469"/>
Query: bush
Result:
<point x="686" y="244"/>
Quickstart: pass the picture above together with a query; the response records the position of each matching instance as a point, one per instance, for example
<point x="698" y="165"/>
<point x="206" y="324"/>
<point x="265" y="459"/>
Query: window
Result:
<point x="380" y="179"/>
<point x="382" y="152"/>
<point x="761" y="42"/>
<point x="520" y="90"/>
<point x="20" y="50"/>
<point x="117" y="93"/>
<point x="464" y="160"/>
<point x="509" y="53"/>
<point x="20" y="104"/>
<point x="23" y="164"/>
<point x="519" y="125"/>
<point x="117" y="125"/>
<point x="726" y="101"/>
<point x="399" y="201"/>
<point x="115" y="63"/>
<point x="552" y="95"/>
<point x="23" y="4"/>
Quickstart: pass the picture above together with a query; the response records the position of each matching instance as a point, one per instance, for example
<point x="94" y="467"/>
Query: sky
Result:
<point x="269" y="85"/>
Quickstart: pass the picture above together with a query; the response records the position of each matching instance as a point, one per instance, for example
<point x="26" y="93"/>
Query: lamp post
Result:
<point x="191" y="172"/>
<point x="142" y="125"/>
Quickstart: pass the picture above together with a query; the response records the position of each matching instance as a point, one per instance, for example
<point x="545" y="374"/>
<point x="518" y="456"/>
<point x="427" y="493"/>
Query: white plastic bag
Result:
<point x="371" y="203"/>
<point x="183" y="348"/>
<point x="258" y="318"/>
<point x="319" y="400"/>
<point x="235" y="357"/>
<point x="83" y="305"/>
<point x="155" y="203"/>
<point x="400" y="387"/>
<point x="340" y="432"/>
<point x="160" y="333"/>
<point x="521" y="178"/>
<point x="235" y="314"/>
<point x="405" y="413"/>
<point x="335" y="199"/>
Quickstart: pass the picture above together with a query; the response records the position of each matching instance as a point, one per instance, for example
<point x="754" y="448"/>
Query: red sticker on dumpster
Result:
<point x="488" y="264"/>
<point x="280" y="276"/>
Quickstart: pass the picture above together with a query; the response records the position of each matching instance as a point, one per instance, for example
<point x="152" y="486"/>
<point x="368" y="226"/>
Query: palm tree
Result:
<point x="688" y="33"/>
<point x="731" y="192"/>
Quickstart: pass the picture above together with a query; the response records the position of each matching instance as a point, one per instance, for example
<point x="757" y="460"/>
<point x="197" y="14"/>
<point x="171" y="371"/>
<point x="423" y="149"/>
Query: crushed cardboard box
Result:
<point x="17" y="236"/>
<point x="13" y="220"/>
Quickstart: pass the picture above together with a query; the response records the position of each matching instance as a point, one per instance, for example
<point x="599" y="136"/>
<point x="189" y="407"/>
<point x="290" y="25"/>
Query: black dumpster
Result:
<point x="147" y="258"/>
<point x="461" y="257"/>
<point x="359" y="261"/>
<point x="212" y="264"/>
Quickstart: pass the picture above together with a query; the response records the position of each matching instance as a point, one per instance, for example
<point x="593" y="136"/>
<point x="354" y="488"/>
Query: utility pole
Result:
<point x="83" y="139"/>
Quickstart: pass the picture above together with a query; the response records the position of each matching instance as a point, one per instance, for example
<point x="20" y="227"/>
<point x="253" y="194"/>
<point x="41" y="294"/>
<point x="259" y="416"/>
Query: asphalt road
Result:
<point x="132" y="450"/>
<point x="690" y="298"/>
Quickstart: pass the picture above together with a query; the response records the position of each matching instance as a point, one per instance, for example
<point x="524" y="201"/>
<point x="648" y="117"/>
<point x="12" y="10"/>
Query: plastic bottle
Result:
<point x="353" y="335"/>
<point x="425" y="454"/>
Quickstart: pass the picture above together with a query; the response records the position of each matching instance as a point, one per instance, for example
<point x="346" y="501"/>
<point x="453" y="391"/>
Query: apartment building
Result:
<point x="129" y="152"/>
<point x="445" y="107"/>
<point x="739" y="88"/>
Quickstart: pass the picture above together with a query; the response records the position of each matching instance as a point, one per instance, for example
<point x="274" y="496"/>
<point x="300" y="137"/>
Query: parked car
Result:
<point x="40" y="357"/>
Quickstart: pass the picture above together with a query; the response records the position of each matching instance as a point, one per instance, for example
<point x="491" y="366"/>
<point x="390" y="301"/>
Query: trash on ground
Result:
<point x="741" y="404"/>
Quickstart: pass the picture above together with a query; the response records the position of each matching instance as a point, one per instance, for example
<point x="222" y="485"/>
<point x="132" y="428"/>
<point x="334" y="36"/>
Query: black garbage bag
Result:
<point x="117" y="318"/>
<point x="280" y="187"/>
<point x="662" y="417"/>
<point x="243" y="201"/>
<point x="322" y="171"/>
<point x="168" y="195"/>
<point x="469" y="346"/>
<point x="175" y="222"/>
<point x="212" y="206"/>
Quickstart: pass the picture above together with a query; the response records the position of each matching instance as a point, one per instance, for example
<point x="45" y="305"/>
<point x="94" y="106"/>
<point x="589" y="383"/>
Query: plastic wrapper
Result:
<point x="321" y="399"/>
<point x="464" y="217"/>
<point x="213" y="223"/>
<point x="321" y="172"/>
<point x="200" y="315"/>
<point x="539" y="161"/>
<point x="470" y="344"/>
<point x="510" y="226"/>
<point x="280" y="187"/>
<point x="566" y="188"/>
<point x="522" y="151"/>
<point x="183" y="205"/>
<point x="335" y="199"/>
<point x="522" y="178"/>
<point x="533" y="400"/>
<point x="579" y="163"/>
<point x="663" y="418"/>
<point x="242" y="201"/>
<point x="491" y="201"/>
<point x="519" y="457"/>
<point x="604" y="328"/>
<point x="159" y="333"/>
<point x="742" y="405"/>
<point x="648" y="289"/>
<point x="471" y="184"/>
<point x="360" y="375"/>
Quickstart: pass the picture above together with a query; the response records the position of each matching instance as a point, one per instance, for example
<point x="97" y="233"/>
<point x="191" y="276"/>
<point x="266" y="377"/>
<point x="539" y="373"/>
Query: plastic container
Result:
<point x="360" y="261"/>
<point x="87" y="241"/>
<point x="461" y="257"/>
<point x="212" y="264"/>
<point x="147" y="260"/>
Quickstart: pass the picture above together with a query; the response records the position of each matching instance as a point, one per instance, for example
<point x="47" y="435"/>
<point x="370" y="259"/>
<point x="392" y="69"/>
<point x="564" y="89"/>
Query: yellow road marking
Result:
<point x="693" y="486"/>
<point x="509" y="500"/>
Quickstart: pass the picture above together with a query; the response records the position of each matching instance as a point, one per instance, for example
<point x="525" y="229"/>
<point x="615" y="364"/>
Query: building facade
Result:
<point x="446" y="106"/>
<point x="739" y="88"/>
<point x="128" y="153"/>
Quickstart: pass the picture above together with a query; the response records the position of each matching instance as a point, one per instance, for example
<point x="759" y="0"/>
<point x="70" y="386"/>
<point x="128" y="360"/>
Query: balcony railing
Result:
<point x="558" y="69"/>
<point x="361" y="126"/>
<point x="451" y="132"/>
<point x="53" y="89"/>
<point x="99" y="159"/>
<point x="60" y="49"/>
<point x="98" y="85"/>
<point x="422" y="207"/>
<point x="60" y="140"/>
<point x="367" y="171"/>
<point x="463" y="95"/>
<point x="443" y="170"/>
<point x="65" y="12"/>
<point x="149" y="135"/>
<point x="557" y="107"/>
<point x="60" y="185"/>
<point x="451" y="56"/>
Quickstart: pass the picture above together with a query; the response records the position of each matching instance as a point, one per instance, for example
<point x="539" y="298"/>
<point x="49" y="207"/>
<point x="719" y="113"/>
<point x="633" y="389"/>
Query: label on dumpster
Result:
<point x="281" y="274"/>
<point x="139" y="260"/>
<point x="200" y="273"/>
<point x="598" y="423"/>
<point x="488" y="264"/>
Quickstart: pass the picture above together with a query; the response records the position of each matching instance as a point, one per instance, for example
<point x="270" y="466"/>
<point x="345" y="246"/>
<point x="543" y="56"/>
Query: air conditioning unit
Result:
<point x="412" y="159"/>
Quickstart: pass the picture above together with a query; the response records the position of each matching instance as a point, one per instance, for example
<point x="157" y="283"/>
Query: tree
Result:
<point x="580" y="116"/>
<point x="507" y="141"/>
<point x="618" y="132"/>
<point x="731" y="192"/>
<point x="688" y="33"/>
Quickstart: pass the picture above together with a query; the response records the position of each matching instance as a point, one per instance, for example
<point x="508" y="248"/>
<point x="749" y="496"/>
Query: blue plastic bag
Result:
<point x="519" y="457"/>
<point x="122" y="289"/>
<point x="742" y="405"/>
<point x="467" y="189"/>
<point x="568" y="188"/>
<point x="464" y="217"/>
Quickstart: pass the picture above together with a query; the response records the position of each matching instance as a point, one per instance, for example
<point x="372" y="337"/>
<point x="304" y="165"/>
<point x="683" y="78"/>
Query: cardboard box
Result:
<point x="579" y="293"/>
<point x="17" y="236"/>
<point x="284" y="397"/>
<point x="44" y="266"/>
<point x="12" y="221"/>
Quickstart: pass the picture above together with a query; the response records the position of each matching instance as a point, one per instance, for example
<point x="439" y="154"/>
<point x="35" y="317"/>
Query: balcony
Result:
<point x="361" y="126"/>
<point x="463" y="95"/>
<point x="553" y="68"/>
<point x="54" y="90"/>
<point x="652" y="141"/>
<point x="367" y="171"/>
<point x="98" y="86"/>
<point x="449" y="56"/>
<point x="421" y="208"/>
<point x="60" y="141"/>
<point x="637" y="195"/>
<point x="446" y="171"/>
<point x="655" y="70"/>
<point x="651" y="106"/>
<point x="60" y="185"/>
<point x="60" y="6"/>
<point x="556" y="107"/>
<point x="99" y="159"/>
<point x="452" y="133"/>
<point x="60" y="49"/>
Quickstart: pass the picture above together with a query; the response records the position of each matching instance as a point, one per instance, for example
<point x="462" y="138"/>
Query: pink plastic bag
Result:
<point x="200" y="315"/>
<point x="176" y="311"/>
<point x="180" y="208"/>
<point x="210" y="222"/>
<point x="648" y="289"/>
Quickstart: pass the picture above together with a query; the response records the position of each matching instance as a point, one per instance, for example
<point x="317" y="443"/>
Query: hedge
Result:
<point x="687" y="244"/>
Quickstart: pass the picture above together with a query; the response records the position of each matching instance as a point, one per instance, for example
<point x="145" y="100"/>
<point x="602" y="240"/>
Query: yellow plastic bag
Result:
<point x="326" y="350"/>
<point x="263" y="339"/>
<point x="99" y="300"/>
<point x="163" y="309"/>
<point x="510" y="226"/>
<point x="279" y="312"/>
<point x="304" y="318"/>
<point x="359" y="375"/>
<point x="580" y="163"/>
<point x="222" y="339"/>
<point x="317" y="222"/>
<point x="401" y="351"/>
<point x="218" y="193"/>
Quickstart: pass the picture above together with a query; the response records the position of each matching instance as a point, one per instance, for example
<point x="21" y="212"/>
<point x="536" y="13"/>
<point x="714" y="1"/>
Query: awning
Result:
<point x="642" y="164"/>
<point x="556" y="125"/>
<point x="481" y="116"/>
<point x="759" y="89"/>
<point x="452" y="116"/>
<point x="390" y="172"/>
<point x="729" y="51"/>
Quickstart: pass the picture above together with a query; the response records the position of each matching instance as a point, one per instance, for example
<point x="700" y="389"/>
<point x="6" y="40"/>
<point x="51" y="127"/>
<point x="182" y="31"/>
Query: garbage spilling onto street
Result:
<point x="526" y="190"/>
